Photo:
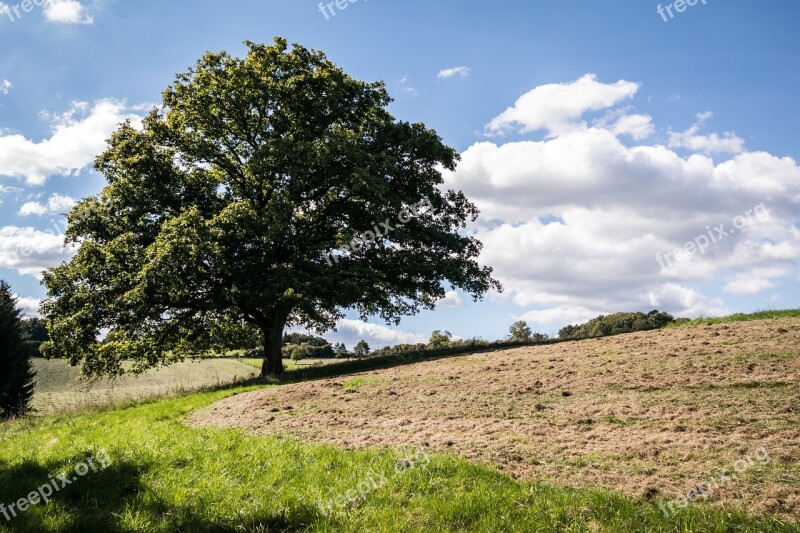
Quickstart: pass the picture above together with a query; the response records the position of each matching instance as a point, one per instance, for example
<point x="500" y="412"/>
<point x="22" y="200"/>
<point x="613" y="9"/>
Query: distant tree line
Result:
<point x="617" y="323"/>
<point x="297" y="346"/>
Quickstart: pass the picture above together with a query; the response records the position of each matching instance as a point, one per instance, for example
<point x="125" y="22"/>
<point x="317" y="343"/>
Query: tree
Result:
<point x="220" y="212"/>
<point x="439" y="339"/>
<point x="35" y="333"/>
<point x="340" y="350"/>
<point x="520" y="331"/>
<point x="361" y="349"/>
<point x="16" y="367"/>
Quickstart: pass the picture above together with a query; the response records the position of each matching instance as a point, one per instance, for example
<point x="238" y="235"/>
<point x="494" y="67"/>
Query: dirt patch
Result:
<point x="649" y="414"/>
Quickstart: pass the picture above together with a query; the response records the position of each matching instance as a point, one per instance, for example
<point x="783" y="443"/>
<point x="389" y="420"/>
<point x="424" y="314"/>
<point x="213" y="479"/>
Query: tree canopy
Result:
<point x="221" y="209"/>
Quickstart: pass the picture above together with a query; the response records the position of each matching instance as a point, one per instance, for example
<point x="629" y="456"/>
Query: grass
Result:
<point x="165" y="476"/>
<point x="738" y="317"/>
<point x="59" y="388"/>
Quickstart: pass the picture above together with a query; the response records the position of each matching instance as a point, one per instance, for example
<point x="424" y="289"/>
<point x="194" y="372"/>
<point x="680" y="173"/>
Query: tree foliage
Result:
<point x="16" y="367"/>
<point x="35" y="333"/>
<point x="616" y="323"/>
<point x="361" y="349"/>
<point x="520" y="331"/>
<point x="439" y="339"/>
<point x="220" y="209"/>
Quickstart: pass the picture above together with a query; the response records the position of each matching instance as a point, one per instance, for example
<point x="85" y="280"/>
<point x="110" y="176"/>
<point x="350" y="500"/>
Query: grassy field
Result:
<point x="59" y="387"/>
<point x="739" y="317"/>
<point x="164" y="474"/>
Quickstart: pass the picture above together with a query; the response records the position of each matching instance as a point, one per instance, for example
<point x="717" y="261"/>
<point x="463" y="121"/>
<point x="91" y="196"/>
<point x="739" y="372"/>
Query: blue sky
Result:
<point x="594" y="136"/>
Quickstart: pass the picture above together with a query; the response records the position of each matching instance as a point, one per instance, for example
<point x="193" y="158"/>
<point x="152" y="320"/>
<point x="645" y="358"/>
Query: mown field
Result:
<point x="683" y="401"/>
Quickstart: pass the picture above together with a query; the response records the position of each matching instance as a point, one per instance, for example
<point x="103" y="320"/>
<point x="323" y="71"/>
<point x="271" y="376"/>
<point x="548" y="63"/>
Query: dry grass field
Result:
<point x="647" y="414"/>
<point x="59" y="387"/>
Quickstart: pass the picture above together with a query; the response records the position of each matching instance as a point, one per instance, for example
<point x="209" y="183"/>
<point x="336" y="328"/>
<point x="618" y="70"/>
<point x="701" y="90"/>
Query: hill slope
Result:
<point x="649" y="414"/>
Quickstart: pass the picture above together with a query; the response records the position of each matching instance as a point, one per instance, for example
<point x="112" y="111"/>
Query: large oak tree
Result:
<point x="222" y="210"/>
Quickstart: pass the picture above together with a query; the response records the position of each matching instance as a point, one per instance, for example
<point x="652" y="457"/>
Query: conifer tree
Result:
<point x="16" y="366"/>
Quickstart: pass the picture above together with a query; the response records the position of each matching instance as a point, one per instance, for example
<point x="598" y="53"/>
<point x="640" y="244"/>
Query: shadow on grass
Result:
<point x="113" y="499"/>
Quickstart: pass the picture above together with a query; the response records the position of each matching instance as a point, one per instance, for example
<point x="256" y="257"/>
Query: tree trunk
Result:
<point x="273" y="339"/>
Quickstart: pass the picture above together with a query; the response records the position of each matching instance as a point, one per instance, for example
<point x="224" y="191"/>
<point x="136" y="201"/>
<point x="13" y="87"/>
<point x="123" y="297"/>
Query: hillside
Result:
<point x="648" y="414"/>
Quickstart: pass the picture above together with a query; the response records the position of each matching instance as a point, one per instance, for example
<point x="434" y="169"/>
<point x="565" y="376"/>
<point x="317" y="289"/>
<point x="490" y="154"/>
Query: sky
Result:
<point x="597" y="138"/>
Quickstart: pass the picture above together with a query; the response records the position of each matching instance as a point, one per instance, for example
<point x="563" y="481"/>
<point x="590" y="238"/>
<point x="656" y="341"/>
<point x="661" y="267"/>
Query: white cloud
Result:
<point x="66" y="12"/>
<point x="560" y="315"/>
<point x="56" y="205"/>
<point x="78" y="136"/>
<point x="377" y="335"/>
<point x="30" y="251"/>
<point x="572" y="223"/>
<point x="461" y="72"/>
<point x="686" y="302"/>
<point x="5" y="85"/>
<point x="760" y="279"/>
<point x="727" y="143"/>
<point x="29" y="306"/>
<point x="451" y="299"/>
<point x="556" y="107"/>
<point x="636" y="126"/>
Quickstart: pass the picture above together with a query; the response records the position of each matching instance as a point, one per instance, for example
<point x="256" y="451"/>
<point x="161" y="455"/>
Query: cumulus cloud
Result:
<point x="760" y="279"/>
<point x="560" y="315"/>
<point x="555" y="107"/>
<point x="29" y="306"/>
<point x="377" y="335"/>
<point x="727" y="143"/>
<point x="57" y="204"/>
<point x="77" y="137"/>
<point x="636" y="126"/>
<point x="5" y="85"/>
<point x="572" y="224"/>
<point x="461" y="72"/>
<point x="66" y="12"/>
<point x="30" y="251"/>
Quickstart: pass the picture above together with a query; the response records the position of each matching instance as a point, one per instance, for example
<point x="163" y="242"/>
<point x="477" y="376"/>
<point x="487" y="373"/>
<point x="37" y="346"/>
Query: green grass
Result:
<point x="738" y="317"/>
<point x="165" y="476"/>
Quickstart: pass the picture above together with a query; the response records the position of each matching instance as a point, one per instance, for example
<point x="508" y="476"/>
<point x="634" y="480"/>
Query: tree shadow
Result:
<point x="97" y="502"/>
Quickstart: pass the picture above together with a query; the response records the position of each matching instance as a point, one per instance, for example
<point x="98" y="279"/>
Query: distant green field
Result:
<point x="59" y="388"/>
<point x="738" y="317"/>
